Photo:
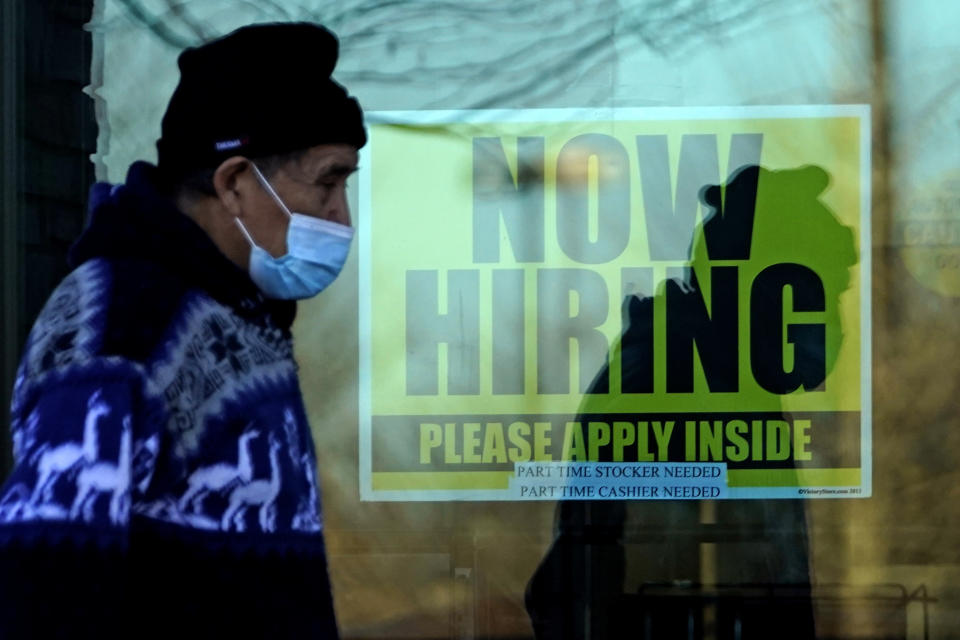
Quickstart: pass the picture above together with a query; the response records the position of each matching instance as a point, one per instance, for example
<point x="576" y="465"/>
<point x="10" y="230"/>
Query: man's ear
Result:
<point x="228" y="183"/>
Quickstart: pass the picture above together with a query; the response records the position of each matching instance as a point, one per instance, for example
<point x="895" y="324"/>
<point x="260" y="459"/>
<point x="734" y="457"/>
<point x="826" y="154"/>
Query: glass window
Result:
<point x="645" y="329"/>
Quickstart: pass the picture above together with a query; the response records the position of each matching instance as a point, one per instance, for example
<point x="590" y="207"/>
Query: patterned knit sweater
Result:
<point x="165" y="476"/>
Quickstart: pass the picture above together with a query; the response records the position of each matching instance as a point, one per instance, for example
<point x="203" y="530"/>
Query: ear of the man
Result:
<point x="231" y="182"/>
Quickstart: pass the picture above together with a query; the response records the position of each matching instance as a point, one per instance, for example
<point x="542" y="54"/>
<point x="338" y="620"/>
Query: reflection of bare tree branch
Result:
<point x="674" y="28"/>
<point x="155" y="24"/>
<point x="274" y="10"/>
<point x="198" y="29"/>
<point x="482" y="54"/>
<point x="542" y="86"/>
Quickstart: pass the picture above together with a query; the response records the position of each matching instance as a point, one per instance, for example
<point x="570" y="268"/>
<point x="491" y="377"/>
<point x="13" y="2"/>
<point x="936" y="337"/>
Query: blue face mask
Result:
<point x="316" y="252"/>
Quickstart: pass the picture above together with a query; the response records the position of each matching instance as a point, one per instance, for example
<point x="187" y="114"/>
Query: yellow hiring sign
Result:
<point x="543" y="292"/>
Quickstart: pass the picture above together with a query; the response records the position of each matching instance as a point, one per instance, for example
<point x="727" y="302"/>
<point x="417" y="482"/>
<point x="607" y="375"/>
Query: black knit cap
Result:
<point x="261" y="90"/>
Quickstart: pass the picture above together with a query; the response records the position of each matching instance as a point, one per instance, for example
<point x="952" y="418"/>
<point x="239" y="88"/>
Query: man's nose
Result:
<point x="340" y="210"/>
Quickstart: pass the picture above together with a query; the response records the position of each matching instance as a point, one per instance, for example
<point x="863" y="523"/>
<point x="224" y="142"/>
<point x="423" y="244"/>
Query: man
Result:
<point x="165" y="478"/>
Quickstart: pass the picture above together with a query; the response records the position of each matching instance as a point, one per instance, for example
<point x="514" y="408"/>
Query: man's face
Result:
<point x="314" y="185"/>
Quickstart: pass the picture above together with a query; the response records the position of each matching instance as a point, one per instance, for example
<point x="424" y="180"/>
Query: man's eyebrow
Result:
<point x="337" y="170"/>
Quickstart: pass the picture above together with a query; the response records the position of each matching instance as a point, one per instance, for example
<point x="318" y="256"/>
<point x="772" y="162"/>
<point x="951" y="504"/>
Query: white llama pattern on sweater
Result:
<point x="307" y="516"/>
<point x="222" y="495"/>
<point x="219" y="477"/>
<point x="261" y="494"/>
<point x="109" y="478"/>
<point x="80" y="461"/>
<point x="144" y="461"/>
<point x="52" y="462"/>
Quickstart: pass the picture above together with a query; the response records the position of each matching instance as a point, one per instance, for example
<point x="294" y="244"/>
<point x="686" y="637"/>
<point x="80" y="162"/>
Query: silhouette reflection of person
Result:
<point x="637" y="569"/>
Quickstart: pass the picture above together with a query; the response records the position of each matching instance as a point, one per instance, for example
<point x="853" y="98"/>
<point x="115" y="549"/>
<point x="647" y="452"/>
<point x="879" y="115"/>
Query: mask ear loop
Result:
<point x="246" y="233"/>
<point x="269" y="189"/>
<point x="266" y="185"/>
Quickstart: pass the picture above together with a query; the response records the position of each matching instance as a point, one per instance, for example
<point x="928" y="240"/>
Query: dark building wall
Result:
<point x="50" y="172"/>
